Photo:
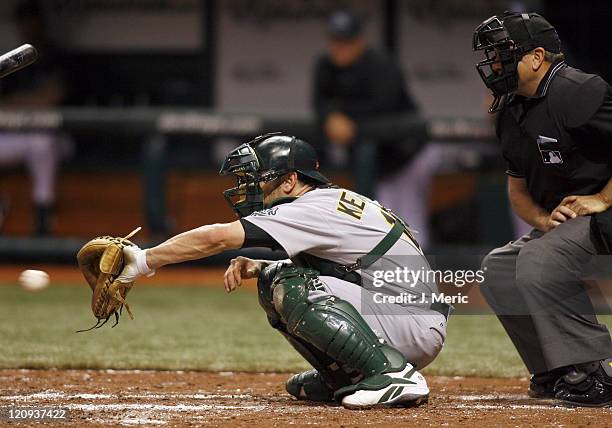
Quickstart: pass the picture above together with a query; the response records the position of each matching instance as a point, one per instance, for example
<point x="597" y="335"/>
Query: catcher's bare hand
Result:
<point x="240" y="268"/>
<point x="586" y="204"/>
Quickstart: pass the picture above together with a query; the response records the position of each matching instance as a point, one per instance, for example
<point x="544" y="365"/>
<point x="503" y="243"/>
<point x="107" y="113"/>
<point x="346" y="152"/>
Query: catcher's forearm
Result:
<point x="204" y="241"/>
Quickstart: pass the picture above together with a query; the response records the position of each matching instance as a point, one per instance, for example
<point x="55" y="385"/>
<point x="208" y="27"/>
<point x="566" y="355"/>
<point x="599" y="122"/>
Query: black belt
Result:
<point x="442" y="308"/>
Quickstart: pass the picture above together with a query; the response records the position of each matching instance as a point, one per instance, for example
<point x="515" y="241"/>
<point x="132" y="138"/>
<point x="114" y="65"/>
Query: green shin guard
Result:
<point x="335" y="328"/>
<point x="330" y="372"/>
<point x="328" y="332"/>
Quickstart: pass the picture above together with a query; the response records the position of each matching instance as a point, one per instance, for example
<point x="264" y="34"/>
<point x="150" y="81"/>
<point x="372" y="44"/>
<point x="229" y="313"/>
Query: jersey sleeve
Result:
<point x="592" y="128"/>
<point x="296" y="226"/>
<point x="583" y="102"/>
<point x="512" y="169"/>
<point x="255" y="236"/>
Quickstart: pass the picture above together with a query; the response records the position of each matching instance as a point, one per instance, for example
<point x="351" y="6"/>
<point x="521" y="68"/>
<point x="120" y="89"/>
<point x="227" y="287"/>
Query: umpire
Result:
<point x="555" y="127"/>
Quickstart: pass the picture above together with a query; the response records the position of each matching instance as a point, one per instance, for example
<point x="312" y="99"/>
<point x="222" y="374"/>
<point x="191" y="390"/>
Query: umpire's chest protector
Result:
<point x="548" y="141"/>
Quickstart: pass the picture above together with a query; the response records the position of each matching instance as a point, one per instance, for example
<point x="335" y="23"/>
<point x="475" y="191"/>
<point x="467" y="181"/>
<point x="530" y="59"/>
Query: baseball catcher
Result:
<point x="365" y="350"/>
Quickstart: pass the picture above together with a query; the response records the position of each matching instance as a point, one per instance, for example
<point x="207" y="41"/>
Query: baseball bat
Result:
<point x="17" y="59"/>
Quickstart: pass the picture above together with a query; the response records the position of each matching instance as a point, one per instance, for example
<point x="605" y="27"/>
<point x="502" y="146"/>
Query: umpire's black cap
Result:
<point x="530" y="31"/>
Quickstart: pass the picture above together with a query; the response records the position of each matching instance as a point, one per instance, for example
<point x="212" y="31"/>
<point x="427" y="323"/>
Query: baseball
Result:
<point x="33" y="280"/>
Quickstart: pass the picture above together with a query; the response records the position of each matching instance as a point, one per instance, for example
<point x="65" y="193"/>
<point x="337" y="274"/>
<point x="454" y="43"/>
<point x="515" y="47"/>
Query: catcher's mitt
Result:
<point x="101" y="260"/>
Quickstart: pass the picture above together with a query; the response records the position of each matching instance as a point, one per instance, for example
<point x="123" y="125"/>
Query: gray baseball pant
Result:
<point x="535" y="287"/>
<point x="417" y="333"/>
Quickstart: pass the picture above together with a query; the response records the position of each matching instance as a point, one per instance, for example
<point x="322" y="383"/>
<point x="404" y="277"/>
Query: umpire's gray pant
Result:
<point x="534" y="286"/>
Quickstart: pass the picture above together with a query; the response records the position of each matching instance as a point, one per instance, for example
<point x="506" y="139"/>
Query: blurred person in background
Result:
<point x="354" y="83"/>
<point x="39" y="86"/>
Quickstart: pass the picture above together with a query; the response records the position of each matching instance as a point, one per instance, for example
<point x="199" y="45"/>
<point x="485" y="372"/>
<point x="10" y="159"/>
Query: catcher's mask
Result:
<point x="505" y="40"/>
<point x="263" y="159"/>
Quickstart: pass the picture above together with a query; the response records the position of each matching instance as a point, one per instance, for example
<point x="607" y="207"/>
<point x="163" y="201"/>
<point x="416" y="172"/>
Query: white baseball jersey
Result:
<point x="339" y="225"/>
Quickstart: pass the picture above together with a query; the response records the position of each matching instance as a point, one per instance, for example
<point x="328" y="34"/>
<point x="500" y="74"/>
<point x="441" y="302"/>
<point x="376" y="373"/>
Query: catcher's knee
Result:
<point x="290" y="293"/>
<point x="264" y="291"/>
<point x="290" y="301"/>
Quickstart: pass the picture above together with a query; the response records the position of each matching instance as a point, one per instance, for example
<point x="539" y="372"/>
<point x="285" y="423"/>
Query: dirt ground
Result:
<point x="176" y="398"/>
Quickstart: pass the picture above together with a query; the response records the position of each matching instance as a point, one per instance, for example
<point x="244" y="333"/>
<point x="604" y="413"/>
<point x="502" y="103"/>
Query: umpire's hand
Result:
<point x="559" y="215"/>
<point x="574" y="206"/>
<point x="586" y="204"/>
<point x="240" y="268"/>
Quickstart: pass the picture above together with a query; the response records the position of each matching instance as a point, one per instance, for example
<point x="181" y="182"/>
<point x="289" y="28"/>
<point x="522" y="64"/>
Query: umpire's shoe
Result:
<point x="543" y="384"/>
<point x="309" y="386"/>
<point x="588" y="385"/>
<point x="406" y="388"/>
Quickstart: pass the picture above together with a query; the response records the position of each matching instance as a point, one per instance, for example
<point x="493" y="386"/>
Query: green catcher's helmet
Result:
<point x="263" y="159"/>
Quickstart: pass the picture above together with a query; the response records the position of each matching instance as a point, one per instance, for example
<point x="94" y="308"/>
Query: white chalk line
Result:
<point x="509" y="404"/>
<point x="65" y="398"/>
<point x="514" y="407"/>
<point x="52" y="395"/>
<point x="489" y="397"/>
<point x="164" y="407"/>
<point x="135" y="421"/>
<point x="59" y="395"/>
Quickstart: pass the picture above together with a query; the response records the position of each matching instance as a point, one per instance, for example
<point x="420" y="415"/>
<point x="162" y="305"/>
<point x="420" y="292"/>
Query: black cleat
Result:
<point x="309" y="386"/>
<point x="542" y="384"/>
<point x="588" y="385"/>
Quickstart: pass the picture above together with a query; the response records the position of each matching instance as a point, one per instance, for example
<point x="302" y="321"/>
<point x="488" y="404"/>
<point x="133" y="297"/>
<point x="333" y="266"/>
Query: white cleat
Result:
<point x="408" y="389"/>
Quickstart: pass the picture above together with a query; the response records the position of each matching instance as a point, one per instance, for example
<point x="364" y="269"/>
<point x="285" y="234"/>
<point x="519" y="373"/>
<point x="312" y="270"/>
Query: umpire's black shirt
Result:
<point x="560" y="140"/>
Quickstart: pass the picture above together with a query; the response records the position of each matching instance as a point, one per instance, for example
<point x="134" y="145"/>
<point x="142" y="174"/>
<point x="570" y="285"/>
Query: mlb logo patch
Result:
<point x="547" y="147"/>
<point x="551" y="156"/>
